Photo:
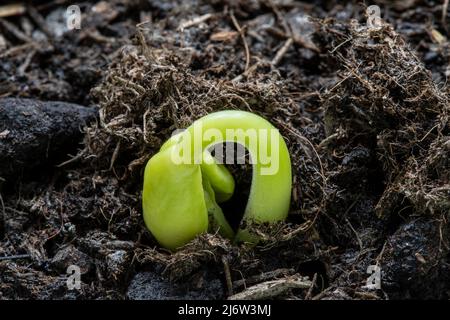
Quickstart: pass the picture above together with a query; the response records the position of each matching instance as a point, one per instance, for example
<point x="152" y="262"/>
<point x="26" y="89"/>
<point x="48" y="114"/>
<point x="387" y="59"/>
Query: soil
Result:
<point x="364" y="110"/>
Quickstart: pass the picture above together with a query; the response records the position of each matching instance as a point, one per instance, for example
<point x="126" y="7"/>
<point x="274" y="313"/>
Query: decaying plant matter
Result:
<point x="364" y="112"/>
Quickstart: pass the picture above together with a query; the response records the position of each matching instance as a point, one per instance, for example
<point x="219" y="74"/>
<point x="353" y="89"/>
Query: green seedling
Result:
<point x="184" y="183"/>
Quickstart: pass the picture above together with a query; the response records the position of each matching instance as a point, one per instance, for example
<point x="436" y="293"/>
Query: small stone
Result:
<point x="35" y="133"/>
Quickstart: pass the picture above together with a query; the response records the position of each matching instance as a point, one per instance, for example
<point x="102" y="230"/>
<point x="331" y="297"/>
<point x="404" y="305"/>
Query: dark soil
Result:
<point x="364" y="111"/>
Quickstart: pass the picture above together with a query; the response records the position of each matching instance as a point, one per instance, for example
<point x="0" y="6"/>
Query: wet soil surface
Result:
<point x="364" y="109"/>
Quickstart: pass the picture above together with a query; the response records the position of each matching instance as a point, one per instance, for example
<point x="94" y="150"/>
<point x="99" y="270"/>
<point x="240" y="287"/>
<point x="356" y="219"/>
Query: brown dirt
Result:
<point x="365" y="114"/>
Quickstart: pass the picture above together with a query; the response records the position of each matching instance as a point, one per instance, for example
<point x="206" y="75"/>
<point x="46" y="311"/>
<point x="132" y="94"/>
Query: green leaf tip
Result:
<point x="183" y="182"/>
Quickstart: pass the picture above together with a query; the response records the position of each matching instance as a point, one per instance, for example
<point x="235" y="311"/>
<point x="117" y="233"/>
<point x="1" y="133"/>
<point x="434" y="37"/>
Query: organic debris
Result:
<point x="363" y="109"/>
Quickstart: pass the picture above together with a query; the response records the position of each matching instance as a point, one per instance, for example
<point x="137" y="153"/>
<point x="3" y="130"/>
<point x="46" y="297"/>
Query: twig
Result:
<point x="341" y="44"/>
<point x="10" y="10"/>
<point x="241" y="33"/>
<point x="114" y="155"/>
<point x="226" y="268"/>
<point x="15" y="257"/>
<point x="380" y="255"/>
<point x="313" y="284"/>
<point x="97" y="36"/>
<point x="73" y="159"/>
<point x="441" y="235"/>
<point x="281" y="19"/>
<point x="327" y="140"/>
<point x="360" y="244"/>
<point x="444" y="14"/>
<point x="246" y="73"/>
<point x="50" y="4"/>
<point x="17" y="49"/>
<point x="429" y="131"/>
<point x="194" y="21"/>
<point x="270" y="275"/>
<point x="321" y="294"/>
<point x="24" y="66"/>
<point x="280" y="54"/>
<point x="15" y="31"/>
<point x="277" y="32"/>
<point x="272" y="289"/>
<point x="297" y="40"/>
<point x="340" y="82"/>
<point x="361" y="247"/>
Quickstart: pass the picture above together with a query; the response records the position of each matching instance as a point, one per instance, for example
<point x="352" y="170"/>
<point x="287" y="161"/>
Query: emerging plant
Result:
<point x="183" y="182"/>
